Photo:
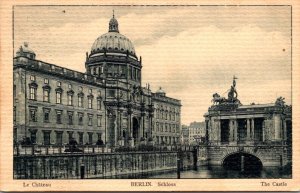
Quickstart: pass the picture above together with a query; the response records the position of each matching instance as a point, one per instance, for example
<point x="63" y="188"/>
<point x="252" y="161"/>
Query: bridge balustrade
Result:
<point x="90" y="149"/>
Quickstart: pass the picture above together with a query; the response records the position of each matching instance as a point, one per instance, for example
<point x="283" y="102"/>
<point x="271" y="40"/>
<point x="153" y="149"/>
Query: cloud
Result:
<point x="192" y="52"/>
<point x="194" y="64"/>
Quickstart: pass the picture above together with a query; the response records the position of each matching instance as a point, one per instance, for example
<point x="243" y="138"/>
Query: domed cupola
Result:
<point x="113" y="56"/>
<point x="25" y="51"/>
<point x="161" y="92"/>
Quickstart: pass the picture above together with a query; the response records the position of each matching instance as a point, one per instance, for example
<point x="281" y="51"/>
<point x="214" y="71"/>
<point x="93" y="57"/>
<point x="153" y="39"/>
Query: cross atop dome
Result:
<point x="113" y="24"/>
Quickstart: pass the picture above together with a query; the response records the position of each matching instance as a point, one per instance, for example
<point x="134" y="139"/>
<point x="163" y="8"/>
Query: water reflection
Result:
<point x="215" y="172"/>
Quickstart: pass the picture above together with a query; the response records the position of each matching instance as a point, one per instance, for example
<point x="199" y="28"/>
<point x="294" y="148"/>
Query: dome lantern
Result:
<point x="113" y="24"/>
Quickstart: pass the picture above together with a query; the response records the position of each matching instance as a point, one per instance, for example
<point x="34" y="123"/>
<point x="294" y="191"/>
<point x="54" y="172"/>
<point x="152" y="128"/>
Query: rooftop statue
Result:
<point x="232" y="95"/>
<point x="280" y="101"/>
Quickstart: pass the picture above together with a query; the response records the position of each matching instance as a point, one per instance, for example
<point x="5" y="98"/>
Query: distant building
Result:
<point x="53" y="105"/>
<point x="196" y="133"/>
<point x="167" y="127"/>
<point x="184" y="135"/>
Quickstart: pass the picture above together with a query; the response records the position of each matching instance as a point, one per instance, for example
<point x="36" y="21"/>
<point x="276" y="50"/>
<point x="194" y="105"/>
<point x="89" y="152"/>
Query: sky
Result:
<point x="192" y="52"/>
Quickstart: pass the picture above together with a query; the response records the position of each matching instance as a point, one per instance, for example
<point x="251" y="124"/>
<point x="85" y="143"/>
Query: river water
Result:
<point x="215" y="172"/>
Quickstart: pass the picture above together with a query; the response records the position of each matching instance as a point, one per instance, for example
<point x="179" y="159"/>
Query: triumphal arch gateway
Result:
<point x="255" y="133"/>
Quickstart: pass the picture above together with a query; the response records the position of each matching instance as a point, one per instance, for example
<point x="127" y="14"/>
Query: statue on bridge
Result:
<point x="217" y="99"/>
<point x="232" y="95"/>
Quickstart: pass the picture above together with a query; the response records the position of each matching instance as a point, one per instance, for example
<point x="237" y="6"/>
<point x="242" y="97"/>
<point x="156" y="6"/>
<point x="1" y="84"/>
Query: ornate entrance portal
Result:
<point x="135" y="129"/>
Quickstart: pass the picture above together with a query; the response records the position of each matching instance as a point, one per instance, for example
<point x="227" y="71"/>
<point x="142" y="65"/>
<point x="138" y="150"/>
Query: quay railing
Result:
<point x="55" y="149"/>
<point x="93" y="149"/>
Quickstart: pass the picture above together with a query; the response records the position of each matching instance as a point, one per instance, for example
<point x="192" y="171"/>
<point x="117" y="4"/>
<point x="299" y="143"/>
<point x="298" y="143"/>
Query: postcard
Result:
<point x="149" y="96"/>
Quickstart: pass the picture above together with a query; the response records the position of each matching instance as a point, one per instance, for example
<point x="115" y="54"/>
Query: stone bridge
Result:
<point x="276" y="155"/>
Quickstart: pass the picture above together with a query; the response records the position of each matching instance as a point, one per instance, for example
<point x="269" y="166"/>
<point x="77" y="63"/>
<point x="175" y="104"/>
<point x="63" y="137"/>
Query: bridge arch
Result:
<point x="237" y="159"/>
<point x="247" y="150"/>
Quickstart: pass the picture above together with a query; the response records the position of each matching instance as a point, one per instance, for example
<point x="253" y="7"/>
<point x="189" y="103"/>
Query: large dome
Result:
<point x="113" y="41"/>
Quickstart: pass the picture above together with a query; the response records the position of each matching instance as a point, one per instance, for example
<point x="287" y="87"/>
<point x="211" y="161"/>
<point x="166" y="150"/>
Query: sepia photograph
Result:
<point x="144" y="92"/>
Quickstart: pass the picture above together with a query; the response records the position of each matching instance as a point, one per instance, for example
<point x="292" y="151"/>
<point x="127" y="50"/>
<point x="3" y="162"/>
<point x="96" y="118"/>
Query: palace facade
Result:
<point x="53" y="104"/>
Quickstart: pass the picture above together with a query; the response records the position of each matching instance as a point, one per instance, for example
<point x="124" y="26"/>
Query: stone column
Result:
<point x="219" y="130"/>
<point x="143" y="125"/>
<point x="252" y="129"/>
<point x="231" y="131"/>
<point x="284" y="130"/>
<point x="263" y="131"/>
<point x="235" y="130"/>
<point x="121" y="139"/>
<point x="130" y="140"/>
<point x="248" y="129"/>
<point x="150" y="125"/>
<point x="277" y="127"/>
<point x="115" y="120"/>
<point x="150" y="129"/>
<point x="143" y="128"/>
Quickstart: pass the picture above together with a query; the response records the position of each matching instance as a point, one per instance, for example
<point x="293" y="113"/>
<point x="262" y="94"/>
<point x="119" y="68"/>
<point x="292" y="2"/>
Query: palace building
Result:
<point x="53" y="104"/>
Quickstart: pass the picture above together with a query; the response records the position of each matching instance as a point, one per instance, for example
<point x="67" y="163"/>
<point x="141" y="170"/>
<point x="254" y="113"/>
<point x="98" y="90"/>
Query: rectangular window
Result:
<point x="14" y="94"/>
<point x="70" y="115"/>
<point x="80" y="118"/>
<point x="33" y="115"/>
<point x="80" y="101"/>
<point x="135" y="73"/>
<point x="90" y="103"/>
<point x="80" y="135"/>
<point x="46" y="115"/>
<point x="46" y="96"/>
<point x="130" y="72"/>
<point x="32" y="77"/>
<point x="14" y="114"/>
<point x="58" y="98"/>
<point x="33" y="136"/>
<point x="98" y="104"/>
<point x="90" y="138"/>
<point x="32" y="93"/>
<point x="59" y="138"/>
<point x="111" y="93"/>
<point x="58" y="117"/>
<point x="70" y="135"/>
<point x="90" y="123"/>
<point x="70" y="100"/>
<point x="46" y="81"/>
<point x="46" y="137"/>
<point x="99" y="136"/>
<point x="99" y="117"/>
